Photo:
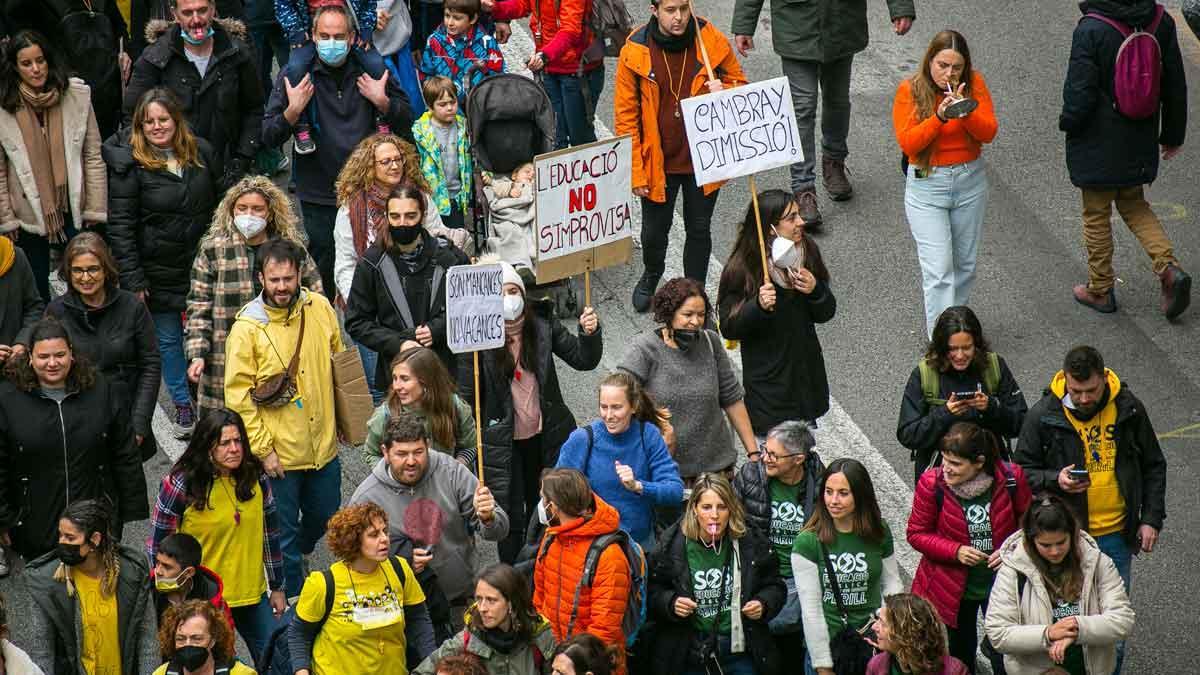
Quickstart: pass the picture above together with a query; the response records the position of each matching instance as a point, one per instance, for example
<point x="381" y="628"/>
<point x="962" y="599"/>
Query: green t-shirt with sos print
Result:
<point x="859" y="568"/>
<point x="711" y="593"/>
<point x="1073" y="661"/>
<point x="787" y="518"/>
<point x="978" y="513"/>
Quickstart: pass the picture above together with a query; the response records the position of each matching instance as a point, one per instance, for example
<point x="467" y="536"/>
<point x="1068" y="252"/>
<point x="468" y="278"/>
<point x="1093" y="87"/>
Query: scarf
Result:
<point x="673" y="43"/>
<point x="778" y="275"/>
<point x="971" y="489"/>
<point x="368" y="210"/>
<point x="737" y="635"/>
<point x="504" y="642"/>
<point x="47" y="154"/>
<point x="8" y="254"/>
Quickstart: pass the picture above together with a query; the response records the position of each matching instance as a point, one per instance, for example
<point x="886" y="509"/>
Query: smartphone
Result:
<point x="1078" y="474"/>
<point x="966" y="394"/>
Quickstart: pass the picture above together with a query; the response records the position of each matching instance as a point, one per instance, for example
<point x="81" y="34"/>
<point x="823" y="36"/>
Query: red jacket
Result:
<point x="557" y="27"/>
<point x="941" y="578"/>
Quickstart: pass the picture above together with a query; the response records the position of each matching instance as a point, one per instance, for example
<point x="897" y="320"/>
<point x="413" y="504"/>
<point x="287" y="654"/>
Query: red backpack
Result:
<point x="1137" y="74"/>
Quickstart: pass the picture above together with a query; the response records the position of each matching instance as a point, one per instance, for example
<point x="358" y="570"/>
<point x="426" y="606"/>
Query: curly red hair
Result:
<point x="218" y="627"/>
<point x="345" y="530"/>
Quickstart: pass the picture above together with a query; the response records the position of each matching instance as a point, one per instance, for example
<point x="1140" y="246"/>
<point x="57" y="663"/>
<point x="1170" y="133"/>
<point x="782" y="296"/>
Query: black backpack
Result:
<point x="90" y="41"/>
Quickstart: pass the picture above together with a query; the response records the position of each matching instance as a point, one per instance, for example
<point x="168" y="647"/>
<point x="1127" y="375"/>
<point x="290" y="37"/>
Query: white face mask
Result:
<point x="786" y="254"/>
<point x="542" y="517"/>
<point x="513" y="304"/>
<point x="249" y="225"/>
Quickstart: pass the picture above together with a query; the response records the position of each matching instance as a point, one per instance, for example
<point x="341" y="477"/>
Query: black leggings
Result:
<point x="964" y="640"/>
<point x="524" y="491"/>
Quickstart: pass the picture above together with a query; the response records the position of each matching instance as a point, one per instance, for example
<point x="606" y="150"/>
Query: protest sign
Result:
<point x="741" y="131"/>
<point x="583" y="208"/>
<point x="474" y="308"/>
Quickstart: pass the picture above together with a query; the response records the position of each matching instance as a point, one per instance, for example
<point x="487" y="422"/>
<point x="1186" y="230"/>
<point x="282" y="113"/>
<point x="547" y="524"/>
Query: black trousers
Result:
<point x="697" y="223"/>
<point x="524" y="492"/>
<point x="964" y="640"/>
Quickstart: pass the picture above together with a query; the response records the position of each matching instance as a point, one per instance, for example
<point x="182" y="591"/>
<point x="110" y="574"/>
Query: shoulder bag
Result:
<point x="851" y="652"/>
<point x="279" y="389"/>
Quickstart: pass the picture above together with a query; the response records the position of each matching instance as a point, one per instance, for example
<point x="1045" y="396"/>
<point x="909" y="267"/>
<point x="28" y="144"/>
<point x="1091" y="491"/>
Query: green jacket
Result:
<point x="815" y="30"/>
<point x="431" y="162"/>
<point x="521" y="661"/>
<point x="464" y="432"/>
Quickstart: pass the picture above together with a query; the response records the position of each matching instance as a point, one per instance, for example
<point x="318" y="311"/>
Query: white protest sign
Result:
<point x="583" y="197"/>
<point x="741" y="131"/>
<point x="474" y="308"/>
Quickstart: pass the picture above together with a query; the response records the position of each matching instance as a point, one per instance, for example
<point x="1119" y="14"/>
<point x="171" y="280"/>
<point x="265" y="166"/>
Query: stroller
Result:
<point x="510" y="120"/>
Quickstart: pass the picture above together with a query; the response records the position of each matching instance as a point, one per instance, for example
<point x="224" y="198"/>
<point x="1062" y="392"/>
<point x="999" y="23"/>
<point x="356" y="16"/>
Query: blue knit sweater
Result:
<point x="641" y="447"/>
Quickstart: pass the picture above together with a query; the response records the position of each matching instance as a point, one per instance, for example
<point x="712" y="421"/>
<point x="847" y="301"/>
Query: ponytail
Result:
<point x="644" y="408"/>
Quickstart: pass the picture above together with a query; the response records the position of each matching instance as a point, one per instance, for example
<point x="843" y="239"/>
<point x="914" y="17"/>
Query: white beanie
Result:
<point x="511" y="276"/>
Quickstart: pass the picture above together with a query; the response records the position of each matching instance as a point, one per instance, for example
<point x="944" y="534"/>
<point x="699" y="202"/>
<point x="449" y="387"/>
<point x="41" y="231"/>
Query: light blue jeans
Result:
<point x="1114" y="546"/>
<point x="168" y="328"/>
<point x="945" y="214"/>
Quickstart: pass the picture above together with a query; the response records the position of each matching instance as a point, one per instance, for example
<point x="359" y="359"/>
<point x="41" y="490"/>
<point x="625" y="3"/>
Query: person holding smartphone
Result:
<point x="960" y="379"/>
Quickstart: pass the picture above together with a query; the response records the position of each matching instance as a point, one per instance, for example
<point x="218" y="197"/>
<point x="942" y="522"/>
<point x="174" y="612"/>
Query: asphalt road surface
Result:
<point x="1030" y="257"/>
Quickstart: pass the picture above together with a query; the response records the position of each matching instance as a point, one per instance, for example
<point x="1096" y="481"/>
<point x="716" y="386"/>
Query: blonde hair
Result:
<point x="358" y="173"/>
<point x="719" y="485"/>
<point x="183" y="143"/>
<point x="281" y="220"/>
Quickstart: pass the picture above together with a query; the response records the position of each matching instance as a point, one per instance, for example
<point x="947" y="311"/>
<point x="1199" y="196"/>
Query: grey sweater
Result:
<point x="696" y="385"/>
<point x="444" y="517"/>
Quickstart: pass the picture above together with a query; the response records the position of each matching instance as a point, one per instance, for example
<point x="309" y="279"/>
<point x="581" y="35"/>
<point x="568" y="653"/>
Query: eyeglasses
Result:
<point x="762" y="447"/>
<point x="92" y="272"/>
<point x="391" y="161"/>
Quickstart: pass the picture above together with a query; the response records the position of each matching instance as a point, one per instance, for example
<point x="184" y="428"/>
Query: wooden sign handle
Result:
<point x="478" y="425"/>
<point x="703" y="50"/>
<point x="762" y="247"/>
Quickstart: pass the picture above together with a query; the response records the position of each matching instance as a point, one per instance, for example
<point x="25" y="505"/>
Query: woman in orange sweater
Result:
<point x="945" y="193"/>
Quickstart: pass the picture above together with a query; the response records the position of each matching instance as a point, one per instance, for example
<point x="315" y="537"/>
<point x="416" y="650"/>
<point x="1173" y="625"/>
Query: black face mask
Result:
<point x="191" y="657"/>
<point x="685" y="337"/>
<point x="404" y="235"/>
<point x="69" y="554"/>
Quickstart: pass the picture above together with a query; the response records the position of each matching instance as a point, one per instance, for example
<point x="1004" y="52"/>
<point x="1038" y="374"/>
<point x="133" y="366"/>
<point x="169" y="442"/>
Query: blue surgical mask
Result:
<point x="333" y="52"/>
<point x="193" y="41"/>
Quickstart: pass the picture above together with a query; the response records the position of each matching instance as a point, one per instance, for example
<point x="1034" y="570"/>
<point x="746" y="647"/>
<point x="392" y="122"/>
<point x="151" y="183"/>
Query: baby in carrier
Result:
<point x="511" y="203"/>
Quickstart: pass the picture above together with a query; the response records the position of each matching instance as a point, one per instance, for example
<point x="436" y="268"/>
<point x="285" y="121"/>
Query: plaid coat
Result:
<point x="453" y="57"/>
<point x="222" y="283"/>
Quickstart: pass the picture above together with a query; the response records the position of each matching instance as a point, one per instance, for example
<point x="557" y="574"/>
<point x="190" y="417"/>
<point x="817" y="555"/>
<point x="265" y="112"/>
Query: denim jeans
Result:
<point x="255" y="624"/>
<point x="573" y="125"/>
<point x="833" y="81"/>
<point x="305" y="501"/>
<point x="168" y="327"/>
<point x="697" y="223"/>
<point x="369" y="360"/>
<point x="1115" y="547"/>
<point x="787" y="628"/>
<point x="731" y="664"/>
<point x="318" y="225"/>
<point x="945" y="214"/>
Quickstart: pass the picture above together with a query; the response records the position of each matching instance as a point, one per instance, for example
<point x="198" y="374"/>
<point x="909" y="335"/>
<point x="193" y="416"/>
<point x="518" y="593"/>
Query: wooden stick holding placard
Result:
<point x="762" y="248"/>
<point x="478" y="435"/>
<point x="699" y="41"/>
<point x="587" y="287"/>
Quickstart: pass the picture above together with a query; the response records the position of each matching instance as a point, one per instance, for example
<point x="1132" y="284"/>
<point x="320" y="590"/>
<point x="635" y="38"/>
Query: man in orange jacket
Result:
<point x="660" y="65"/>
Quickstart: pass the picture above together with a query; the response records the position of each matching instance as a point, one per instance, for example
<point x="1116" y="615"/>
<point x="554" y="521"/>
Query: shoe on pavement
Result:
<point x="304" y="145"/>
<point x="1176" y="290"/>
<point x="643" y="292"/>
<point x="837" y="183"/>
<point x="806" y="201"/>
<point x="1105" y="304"/>
<point x="283" y="165"/>
<point x="185" y="421"/>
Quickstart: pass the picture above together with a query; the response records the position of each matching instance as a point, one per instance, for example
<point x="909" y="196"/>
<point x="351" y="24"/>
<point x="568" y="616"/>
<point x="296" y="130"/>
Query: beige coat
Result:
<point x="87" y="177"/>
<point x="1015" y="625"/>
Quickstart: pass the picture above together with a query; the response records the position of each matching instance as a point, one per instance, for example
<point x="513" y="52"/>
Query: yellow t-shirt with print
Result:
<point x="101" y="635"/>
<point x="1106" y="504"/>
<point x="365" y="630"/>
<point x="231" y="534"/>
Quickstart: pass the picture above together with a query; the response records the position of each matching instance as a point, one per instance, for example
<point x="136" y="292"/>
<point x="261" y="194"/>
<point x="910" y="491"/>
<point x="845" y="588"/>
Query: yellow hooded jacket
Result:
<point x="1106" y="505"/>
<point x="260" y="344"/>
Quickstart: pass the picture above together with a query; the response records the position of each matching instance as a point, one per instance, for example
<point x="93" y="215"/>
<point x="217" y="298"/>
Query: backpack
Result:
<point x="92" y="48"/>
<point x="1137" y="73"/>
<point x="635" y="610"/>
<point x="1010" y="484"/>
<point x="930" y="384"/>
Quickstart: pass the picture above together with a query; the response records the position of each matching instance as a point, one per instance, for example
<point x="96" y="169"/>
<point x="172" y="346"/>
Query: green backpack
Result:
<point x="930" y="384"/>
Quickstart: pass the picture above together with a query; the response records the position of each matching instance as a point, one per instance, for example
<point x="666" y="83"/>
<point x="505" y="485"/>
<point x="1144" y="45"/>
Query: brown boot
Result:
<point x="1176" y="290"/>
<point x="806" y="200"/>
<point x="1105" y="303"/>
<point x="837" y="183"/>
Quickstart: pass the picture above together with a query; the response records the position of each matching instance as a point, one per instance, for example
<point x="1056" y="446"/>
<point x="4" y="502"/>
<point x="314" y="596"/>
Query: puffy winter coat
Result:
<point x="532" y="658"/>
<point x="57" y="620"/>
<point x="156" y="220"/>
<point x="558" y="27"/>
<point x="224" y="106"/>
<point x="752" y="487"/>
<point x="557" y="572"/>
<point x="815" y="30"/>
<point x="637" y="97"/>
<point x="1016" y="618"/>
<point x="671" y="578"/>
<point x="937" y="533"/>
<point x="119" y="339"/>
<point x="1104" y="148"/>
<point x="52" y="454"/>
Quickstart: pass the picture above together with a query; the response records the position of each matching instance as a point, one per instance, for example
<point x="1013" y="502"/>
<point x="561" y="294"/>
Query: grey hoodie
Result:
<point x="444" y="517"/>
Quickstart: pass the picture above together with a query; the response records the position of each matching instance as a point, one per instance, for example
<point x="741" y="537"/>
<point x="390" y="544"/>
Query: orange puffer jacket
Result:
<point x="559" y="566"/>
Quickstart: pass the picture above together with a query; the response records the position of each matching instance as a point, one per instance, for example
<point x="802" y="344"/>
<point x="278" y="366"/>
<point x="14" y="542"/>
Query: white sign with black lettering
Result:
<point x="742" y="131"/>
<point x="474" y="308"/>
<point x="583" y="197"/>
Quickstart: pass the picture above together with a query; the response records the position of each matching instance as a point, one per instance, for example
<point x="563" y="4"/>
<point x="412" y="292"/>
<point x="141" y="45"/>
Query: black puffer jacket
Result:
<point x="671" y="578"/>
<point x="224" y="107"/>
<point x="52" y="454"/>
<point x="20" y="303"/>
<point x="751" y="487"/>
<point x="373" y="317"/>
<point x="1049" y="442"/>
<point x="156" y="220"/>
<point x="118" y="337"/>
<point x="1104" y="149"/>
